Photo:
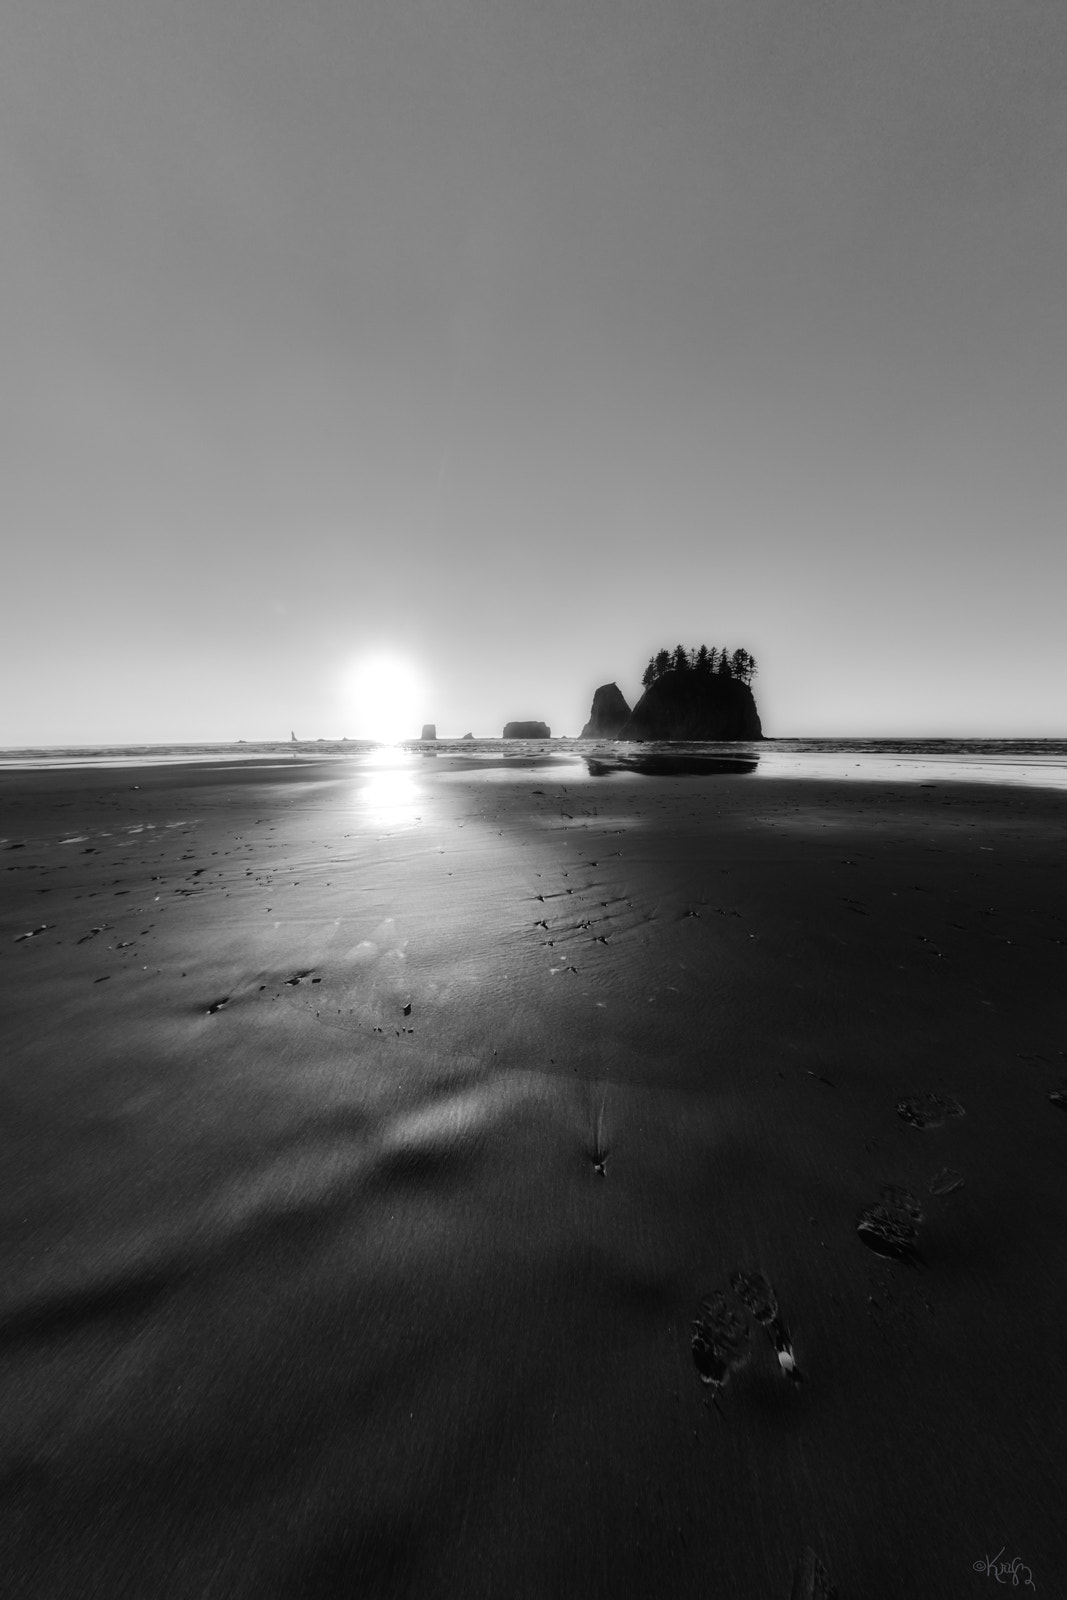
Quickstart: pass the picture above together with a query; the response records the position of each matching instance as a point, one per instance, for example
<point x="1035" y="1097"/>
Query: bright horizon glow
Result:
<point x="383" y="693"/>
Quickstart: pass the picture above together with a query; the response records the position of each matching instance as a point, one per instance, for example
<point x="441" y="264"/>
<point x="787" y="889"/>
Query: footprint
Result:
<point x="217" y="1005"/>
<point x="897" y="1198"/>
<point x="928" y="1110"/>
<point x="757" y="1295"/>
<point x="891" y="1228"/>
<point x="945" y="1181"/>
<point x="720" y="1340"/>
<point x="811" y="1581"/>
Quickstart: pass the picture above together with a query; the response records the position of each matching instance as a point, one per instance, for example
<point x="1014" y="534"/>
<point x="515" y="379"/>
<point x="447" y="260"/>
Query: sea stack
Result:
<point x="429" y="731"/>
<point x="609" y="713"/>
<point x="527" y="730"/>
<point x="694" y="706"/>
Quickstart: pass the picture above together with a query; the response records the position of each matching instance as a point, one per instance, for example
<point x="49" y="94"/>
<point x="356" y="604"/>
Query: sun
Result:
<point x="383" y="696"/>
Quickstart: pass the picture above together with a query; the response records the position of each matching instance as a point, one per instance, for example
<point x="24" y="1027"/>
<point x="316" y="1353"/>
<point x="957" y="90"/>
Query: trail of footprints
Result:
<point x="890" y="1227"/>
<point x="721" y="1332"/>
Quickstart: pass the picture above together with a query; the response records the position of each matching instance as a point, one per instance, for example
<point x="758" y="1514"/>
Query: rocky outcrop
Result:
<point x="429" y="730"/>
<point x="467" y="736"/>
<point x="527" y="730"/>
<point x="691" y="705"/>
<point x="609" y="713"/>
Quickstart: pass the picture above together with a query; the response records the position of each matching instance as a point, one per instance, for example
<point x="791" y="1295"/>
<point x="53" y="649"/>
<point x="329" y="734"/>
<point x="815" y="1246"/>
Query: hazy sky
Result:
<point x="517" y="338"/>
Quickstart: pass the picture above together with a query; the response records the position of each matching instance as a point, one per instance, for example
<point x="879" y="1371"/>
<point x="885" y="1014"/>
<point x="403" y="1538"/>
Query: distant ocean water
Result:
<point x="1028" y="761"/>
<point x="134" y="755"/>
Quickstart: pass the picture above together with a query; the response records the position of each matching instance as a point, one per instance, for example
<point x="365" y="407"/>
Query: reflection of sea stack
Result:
<point x="690" y="705"/>
<point x="527" y="730"/>
<point x="609" y="713"/>
<point x="429" y="730"/>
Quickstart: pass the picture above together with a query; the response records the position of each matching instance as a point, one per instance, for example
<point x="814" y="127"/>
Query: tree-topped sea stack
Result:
<point x="696" y="695"/>
<point x="690" y="695"/>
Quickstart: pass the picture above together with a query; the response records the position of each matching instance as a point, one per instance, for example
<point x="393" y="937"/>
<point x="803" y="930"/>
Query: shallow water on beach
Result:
<point x="1032" y="762"/>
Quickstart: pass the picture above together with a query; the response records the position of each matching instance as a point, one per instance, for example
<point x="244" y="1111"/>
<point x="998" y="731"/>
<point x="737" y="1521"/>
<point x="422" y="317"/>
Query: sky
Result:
<point x="447" y="358"/>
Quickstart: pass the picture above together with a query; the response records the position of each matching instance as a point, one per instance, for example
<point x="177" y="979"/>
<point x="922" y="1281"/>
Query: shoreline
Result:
<point x="1041" y="763"/>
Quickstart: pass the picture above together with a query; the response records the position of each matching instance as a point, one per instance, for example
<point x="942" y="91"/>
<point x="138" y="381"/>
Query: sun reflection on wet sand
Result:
<point x="390" y="797"/>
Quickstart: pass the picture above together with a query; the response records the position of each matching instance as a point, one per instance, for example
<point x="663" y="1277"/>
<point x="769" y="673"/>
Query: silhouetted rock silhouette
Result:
<point x="429" y="730"/>
<point x="527" y="730"/>
<point x="608" y="714"/>
<point x="690" y="705"/>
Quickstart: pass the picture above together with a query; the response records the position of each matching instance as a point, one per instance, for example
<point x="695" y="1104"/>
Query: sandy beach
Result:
<point x="375" y="1131"/>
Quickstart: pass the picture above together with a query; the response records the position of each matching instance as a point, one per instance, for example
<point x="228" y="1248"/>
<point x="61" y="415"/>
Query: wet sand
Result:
<point x="375" y="1136"/>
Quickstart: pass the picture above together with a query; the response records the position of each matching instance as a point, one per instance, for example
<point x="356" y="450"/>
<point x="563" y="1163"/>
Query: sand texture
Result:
<point x="433" y="1178"/>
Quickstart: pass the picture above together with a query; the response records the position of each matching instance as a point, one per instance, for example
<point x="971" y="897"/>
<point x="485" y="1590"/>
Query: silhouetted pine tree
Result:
<point x="743" y="666"/>
<point x="649" y="676"/>
<point x="680" y="661"/>
<point x="662" y="662"/>
<point x="700" y="661"/>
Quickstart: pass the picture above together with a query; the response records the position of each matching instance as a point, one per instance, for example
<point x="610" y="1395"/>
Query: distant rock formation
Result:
<point x="467" y="736"/>
<point x="609" y="713"/>
<point x="688" y="705"/>
<point x="527" y="730"/>
<point x="429" y="730"/>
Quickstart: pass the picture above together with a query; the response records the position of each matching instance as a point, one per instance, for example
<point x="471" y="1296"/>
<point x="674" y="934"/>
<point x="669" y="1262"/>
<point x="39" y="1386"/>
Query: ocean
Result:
<point x="1041" y="762"/>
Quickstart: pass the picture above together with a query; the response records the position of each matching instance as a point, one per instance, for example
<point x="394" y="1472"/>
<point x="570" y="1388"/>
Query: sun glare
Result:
<point x="390" y="798"/>
<point x="384" y="693"/>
